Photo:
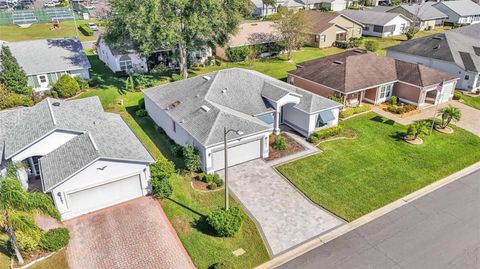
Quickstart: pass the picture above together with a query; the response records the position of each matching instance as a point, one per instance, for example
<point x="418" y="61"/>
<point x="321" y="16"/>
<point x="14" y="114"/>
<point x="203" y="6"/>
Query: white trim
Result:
<point x="91" y="140"/>
<point x="410" y="102"/>
<point x="51" y="111"/>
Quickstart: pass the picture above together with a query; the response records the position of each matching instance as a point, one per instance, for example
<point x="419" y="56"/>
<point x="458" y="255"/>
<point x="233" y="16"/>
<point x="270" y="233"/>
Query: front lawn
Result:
<point x="12" y="32"/>
<point x="473" y="101"/>
<point x="4" y="251"/>
<point x="354" y="177"/>
<point x="187" y="209"/>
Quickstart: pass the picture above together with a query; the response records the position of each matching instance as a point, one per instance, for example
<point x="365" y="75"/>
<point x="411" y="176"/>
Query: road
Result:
<point x="439" y="230"/>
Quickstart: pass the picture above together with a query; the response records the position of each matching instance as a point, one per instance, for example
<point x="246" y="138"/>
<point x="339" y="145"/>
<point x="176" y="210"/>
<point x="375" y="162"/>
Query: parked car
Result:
<point x="50" y="4"/>
<point x="92" y="26"/>
<point x="3" y="5"/>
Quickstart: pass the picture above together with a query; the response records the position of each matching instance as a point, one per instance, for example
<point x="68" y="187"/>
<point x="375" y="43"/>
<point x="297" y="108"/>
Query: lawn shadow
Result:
<point x="157" y="136"/>
<point x="377" y="119"/>
<point x="5" y="247"/>
<point x="202" y="226"/>
<point x="390" y="122"/>
<point x="398" y="135"/>
<point x="186" y="207"/>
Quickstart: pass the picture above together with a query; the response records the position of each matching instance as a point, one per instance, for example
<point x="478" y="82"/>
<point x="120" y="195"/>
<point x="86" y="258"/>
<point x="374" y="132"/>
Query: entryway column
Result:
<point x="32" y="166"/>
<point x="277" y="123"/>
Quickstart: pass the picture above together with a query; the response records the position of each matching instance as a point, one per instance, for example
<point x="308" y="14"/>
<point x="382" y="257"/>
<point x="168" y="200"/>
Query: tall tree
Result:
<point x="12" y="76"/>
<point x="267" y="3"/>
<point x="184" y="25"/>
<point x="292" y="27"/>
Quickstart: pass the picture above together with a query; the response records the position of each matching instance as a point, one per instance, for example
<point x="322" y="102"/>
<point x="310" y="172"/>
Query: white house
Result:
<point x="456" y="52"/>
<point x="197" y="110"/>
<point x="44" y="61"/>
<point x="460" y="11"/>
<point x="128" y="60"/>
<point x="261" y="10"/>
<point x="85" y="158"/>
<point x="333" y="5"/>
<point x="379" y="24"/>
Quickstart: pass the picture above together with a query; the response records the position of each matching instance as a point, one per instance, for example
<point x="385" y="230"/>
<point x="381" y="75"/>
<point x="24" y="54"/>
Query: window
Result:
<point x="43" y="79"/>
<point x="402" y="27"/>
<point x="366" y="28"/>
<point x="378" y="29"/>
<point x="467" y="77"/>
<point x="174" y="127"/>
<point x="126" y="65"/>
<point x="322" y="38"/>
<point x="359" y="30"/>
<point x="385" y="91"/>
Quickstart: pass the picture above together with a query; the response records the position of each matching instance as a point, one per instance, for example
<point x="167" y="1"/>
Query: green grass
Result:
<point x="4" y="252"/>
<point x="187" y="210"/>
<point x="473" y="101"/>
<point x="42" y="31"/>
<point x="354" y="177"/>
<point x="56" y="261"/>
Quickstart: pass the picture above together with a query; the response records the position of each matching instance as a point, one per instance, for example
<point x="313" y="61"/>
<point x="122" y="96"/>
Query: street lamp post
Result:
<point x="225" y="149"/>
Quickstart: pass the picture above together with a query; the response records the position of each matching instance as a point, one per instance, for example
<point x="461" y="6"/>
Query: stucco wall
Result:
<point x="407" y="92"/>
<point x="371" y="94"/>
<point x="91" y="176"/>
<point x="311" y="86"/>
<point x="354" y="29"/>
<point x="397" y="21"/>
<point x="297" y="119"/>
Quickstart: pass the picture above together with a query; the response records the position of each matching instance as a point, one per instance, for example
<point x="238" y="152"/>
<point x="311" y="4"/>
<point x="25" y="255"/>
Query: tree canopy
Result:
<point x="183" y="25"/>
<point x="12" y="76"/>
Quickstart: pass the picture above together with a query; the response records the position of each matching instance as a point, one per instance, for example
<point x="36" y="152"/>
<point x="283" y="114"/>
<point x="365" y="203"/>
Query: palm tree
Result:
<point x="417" y="128"/>
<point x="267" y="3"/>
<point x="15" y="202"/>
<point x="448" y="114"/>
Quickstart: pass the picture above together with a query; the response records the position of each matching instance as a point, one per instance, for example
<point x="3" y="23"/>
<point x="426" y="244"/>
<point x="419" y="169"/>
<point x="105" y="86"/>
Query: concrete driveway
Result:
<point x="285" y="216"/>
<point x="134" y="234"/>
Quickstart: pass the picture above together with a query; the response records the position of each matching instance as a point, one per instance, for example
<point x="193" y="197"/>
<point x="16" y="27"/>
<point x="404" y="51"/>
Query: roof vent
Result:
<point x="338" y="62"/>
<point x="207" y="78"/>
<point x="56" y="104"/>
<point x="224" y="91"/>
<point x="358" y="51"/>
<point x="436" y="47"/>
<point x="437" y="38"/>
<point x="205" y="108"/>
<point x="173" y="105"/>
<point x="477" y="50"/>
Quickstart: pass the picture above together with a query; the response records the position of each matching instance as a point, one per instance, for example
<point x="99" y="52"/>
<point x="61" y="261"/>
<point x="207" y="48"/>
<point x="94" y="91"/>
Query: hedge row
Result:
<point x="325" y="133"/>
<point x="354" y="110"/>
<point x="85" y="30"/>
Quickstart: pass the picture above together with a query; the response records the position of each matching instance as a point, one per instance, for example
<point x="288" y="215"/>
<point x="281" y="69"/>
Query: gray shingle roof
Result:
<point x="67" y="160"/>
<point x="52" y="55"/>
<point x="109" y="132"/>
<point x="233" y="96"/>
<point x="462" y="7"/>
<point x="8" y="119"/>
<point x="371" y="17"/>
<point x="451" y="46"/>
<point x="425" y="11"/>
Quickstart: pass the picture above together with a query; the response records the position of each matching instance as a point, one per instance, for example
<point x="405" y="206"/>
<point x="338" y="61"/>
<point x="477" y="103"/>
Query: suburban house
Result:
<point x="261" y="33"/>
<point x="198" y="110"/>
<point x="128" y="60"/>
<point x="333" y="5"/>
<point x="358" y="76"/>
<point x="85" y="158"/>
<point x="259" y="9"/>
<point x="424" y="16"/>
<point x="456" y="52"/>
<point x="379" y="24"/>
<point x="45" y="61"/>
<point x="460" y="11"/>
<point x="329" y="27"/>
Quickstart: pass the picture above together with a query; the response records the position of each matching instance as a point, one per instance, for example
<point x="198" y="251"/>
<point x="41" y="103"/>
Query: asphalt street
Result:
<point x="439" y="230"/>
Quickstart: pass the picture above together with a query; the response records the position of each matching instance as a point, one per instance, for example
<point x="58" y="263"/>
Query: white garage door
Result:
<point x="98" y="197"/>
<point x="237" y="154"/>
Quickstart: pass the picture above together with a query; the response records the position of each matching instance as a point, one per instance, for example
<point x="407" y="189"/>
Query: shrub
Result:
<point x="212" y="186"/>
<point x="354" y="110"/>
<point x="11" y="99"/>
<point x="217" y="180"/>
<point x="394" y="100"/>
<point x="313" y="139"/>
<point x="141" y="113"/>
<point x="161" y="188"/>
<point x="326" y="133"/>
<point x="85" y="30"/>
<point x="141" y="103"/>
<point x="191" y="158"/>
<point x="28" y="242"/>
<point x="222" y="265"/>
<point x="55" y="239"/>
<point x="162" y="169"/>
<point x="226" y="223"/>
<point x="279" y="143"/>
<point x="342" y="44"/>
<point x="82" y="83"/>
<point x="409" y="107"/>
<point x="355" y="42"/>
<point x="159" y="69"/>
<point x="457" y="95"/>
<point x="336" y="99"/>
<point x="142" y="81"/>
<point x="238" y="54"/>
<point x="176" y="77"/>
<point x="177" y="150"/>
<point x="66" y="86"/>
<point x="371" y="45"/>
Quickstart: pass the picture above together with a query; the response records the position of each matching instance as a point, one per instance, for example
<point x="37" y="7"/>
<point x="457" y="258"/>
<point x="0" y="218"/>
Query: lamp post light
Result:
<point x="225" y="149"/>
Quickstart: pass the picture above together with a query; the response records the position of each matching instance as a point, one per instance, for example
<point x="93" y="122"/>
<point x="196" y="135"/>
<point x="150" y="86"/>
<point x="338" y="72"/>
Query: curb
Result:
<point x="329" y="236"/>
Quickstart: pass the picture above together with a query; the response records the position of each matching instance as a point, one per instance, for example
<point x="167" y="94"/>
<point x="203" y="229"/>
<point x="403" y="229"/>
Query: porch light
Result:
<point x="59" y="194"/>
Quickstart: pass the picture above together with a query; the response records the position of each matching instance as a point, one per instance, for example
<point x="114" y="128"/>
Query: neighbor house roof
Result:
<point x="355" y="70"/>
<point x="460" y="46"/>
<point x="381" y="8"/>
<point x="252" y="33"/>
<point x="462" y="7"/>
<point x="51" y="55"/>
<point x="230" y="98"/>
<point x="371" y="17"/>
<point x="424" y="11"/>
<point x="321" y="21"/>
<point x="110" y="134"/>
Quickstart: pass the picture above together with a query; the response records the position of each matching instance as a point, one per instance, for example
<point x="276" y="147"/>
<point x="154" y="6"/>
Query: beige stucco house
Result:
<point x="360" y="76"/>
<point x="328" y="27"/>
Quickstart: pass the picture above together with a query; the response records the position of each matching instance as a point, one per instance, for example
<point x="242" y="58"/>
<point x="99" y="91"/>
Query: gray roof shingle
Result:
<point x="371" y="17"/>
<point x="457" y="45"/>
<point x="424" y="11"/>
<point x="462" y="7"/>
<point x="52" y="55"/>
<point x="233" y="96"/>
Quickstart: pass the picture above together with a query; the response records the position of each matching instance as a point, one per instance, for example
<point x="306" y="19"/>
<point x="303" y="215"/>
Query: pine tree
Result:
<point x="12" y="76"/>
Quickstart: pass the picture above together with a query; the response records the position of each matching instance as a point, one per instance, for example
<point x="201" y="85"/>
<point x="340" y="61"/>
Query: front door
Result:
<point x="43" y="81"/>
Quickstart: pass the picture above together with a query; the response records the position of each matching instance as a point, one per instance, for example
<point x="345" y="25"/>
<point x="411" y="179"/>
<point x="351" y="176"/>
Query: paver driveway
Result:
<point x="285" y="217"/>
<point x="135" y="234"/>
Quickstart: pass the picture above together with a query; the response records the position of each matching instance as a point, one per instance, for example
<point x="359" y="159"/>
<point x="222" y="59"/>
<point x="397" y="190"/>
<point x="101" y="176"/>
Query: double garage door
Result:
<point x="104" y="195"/>
<point x="237" y="154"/>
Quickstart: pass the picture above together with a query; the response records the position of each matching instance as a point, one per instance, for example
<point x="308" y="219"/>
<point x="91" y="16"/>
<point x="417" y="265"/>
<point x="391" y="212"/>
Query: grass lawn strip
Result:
<point x="354" y="177"/>
<point x="473" y="101"/>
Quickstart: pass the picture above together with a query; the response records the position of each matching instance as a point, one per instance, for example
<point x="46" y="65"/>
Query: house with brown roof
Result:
<point x="262" y="34"/>
<point x="329" y="27"/>
<point x="359" y="76"/>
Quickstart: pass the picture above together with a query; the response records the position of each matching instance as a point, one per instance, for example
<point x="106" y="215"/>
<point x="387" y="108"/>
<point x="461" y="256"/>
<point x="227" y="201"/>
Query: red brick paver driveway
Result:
<point x="135" y="234"/>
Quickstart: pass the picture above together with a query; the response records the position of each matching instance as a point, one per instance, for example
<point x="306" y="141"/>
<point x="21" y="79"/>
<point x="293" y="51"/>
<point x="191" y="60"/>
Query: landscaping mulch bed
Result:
<point x="446" y="130"/>
<point x="202" y="186"/>
<point x="410" y="140"/>
<point x="292" y="147"/>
